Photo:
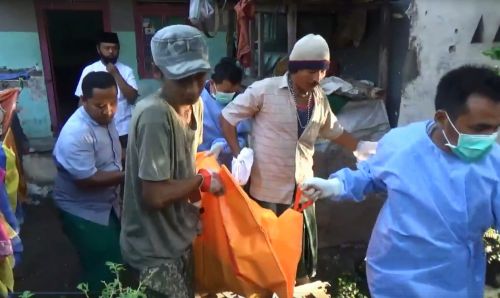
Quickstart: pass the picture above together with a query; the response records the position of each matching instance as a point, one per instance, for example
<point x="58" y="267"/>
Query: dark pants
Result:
<point x="22" y="144"/>
<point x="96" y="244"/>
<point x="308" y="259"/>
<point x="124" y="142"/>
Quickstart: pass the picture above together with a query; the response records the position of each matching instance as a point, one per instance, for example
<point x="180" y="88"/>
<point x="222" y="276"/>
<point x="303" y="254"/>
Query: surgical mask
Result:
<point x="224" y="97"/>
<point x="469" y="147"/>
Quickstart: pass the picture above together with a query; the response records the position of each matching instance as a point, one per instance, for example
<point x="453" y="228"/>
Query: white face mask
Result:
<point x="223" y="97"/>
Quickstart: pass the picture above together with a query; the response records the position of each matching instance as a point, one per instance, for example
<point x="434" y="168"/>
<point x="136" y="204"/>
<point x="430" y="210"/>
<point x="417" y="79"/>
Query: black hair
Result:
<point x="98" y="80"/>
<point x="456" y="86"/>
<point x="227" y="69"/>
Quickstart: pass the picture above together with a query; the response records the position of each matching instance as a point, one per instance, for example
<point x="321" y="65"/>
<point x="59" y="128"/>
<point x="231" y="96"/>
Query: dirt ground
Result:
<point x="50" y="267"/>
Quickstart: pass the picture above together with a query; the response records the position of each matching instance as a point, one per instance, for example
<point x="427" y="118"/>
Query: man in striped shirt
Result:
<point x="288" y="115"/>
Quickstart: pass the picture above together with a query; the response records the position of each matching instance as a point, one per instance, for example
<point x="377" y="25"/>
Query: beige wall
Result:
<point x="17" y="15"/>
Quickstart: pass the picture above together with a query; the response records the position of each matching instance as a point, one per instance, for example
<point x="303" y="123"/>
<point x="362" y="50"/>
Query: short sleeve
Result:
<point x="154" y="148"/>
<point x="78" y="91"/>
<point x="130" y="78"/>
<point x="331" y="128"/>
<point x="76" y="155"/>
<point x="198" y="109"/>
<point x="244" y="106"/>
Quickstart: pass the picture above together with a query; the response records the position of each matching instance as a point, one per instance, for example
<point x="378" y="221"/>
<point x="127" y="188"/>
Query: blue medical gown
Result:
<point x="212" y="132"/>
<point x="427" y="240"/>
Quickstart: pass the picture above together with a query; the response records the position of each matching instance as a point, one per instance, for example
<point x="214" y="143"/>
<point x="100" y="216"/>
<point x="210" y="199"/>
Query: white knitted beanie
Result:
<point x="309" y="52"/>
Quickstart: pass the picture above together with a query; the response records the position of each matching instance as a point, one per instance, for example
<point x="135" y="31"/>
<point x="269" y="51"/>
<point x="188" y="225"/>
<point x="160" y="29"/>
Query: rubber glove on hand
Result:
<point x="318" y="188"/>
<point x="365" y="150"/>
<point x="215" y="149"/>
<point x="211" y="182"/>
<point x="241" y="166"/>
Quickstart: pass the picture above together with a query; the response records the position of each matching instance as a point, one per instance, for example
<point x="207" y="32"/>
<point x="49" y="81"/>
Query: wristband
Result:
<point x="207" y="180"/>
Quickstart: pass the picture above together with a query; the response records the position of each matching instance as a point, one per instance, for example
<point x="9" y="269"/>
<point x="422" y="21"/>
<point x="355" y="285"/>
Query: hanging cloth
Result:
<point x="245" y="11"/>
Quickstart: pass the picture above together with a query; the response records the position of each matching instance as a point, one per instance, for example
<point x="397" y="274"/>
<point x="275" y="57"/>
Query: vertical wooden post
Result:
<point x="383" y="62"/>
<point x="291" y="25"/>
<point x="251" y="38"/>
<point x="231" y="29"/>
<point x="260" y="50"/>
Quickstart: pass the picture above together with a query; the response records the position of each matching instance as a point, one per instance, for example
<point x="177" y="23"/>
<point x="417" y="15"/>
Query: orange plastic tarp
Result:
<point x="244" y="248"/>
<point x="8" y="101"/>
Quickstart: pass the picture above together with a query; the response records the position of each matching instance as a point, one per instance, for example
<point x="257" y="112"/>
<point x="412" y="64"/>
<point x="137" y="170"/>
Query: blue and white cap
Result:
<point x="180" y="51"/>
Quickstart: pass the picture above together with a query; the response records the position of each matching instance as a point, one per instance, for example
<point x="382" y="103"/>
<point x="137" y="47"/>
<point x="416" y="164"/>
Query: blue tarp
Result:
<point x="14" y="75"/>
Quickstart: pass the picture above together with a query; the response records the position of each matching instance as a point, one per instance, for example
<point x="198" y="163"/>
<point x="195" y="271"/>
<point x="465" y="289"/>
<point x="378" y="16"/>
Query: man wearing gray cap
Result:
<point x="160" y="212"/>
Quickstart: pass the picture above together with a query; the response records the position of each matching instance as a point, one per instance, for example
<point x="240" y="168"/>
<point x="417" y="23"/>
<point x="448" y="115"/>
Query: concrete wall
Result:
<point x="441" y="35"/>
<point x="21" y="48"/>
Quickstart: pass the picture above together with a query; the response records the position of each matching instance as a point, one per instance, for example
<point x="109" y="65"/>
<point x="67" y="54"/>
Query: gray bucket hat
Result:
<point x="180" y="51"/>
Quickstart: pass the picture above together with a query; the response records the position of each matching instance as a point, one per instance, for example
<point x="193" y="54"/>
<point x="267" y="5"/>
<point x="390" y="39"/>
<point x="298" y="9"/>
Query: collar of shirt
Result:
<point x="284" y="81"/>
<point x="87" y="118"/>
<point x="284" y="84"/>
<point x="207" y="87"/>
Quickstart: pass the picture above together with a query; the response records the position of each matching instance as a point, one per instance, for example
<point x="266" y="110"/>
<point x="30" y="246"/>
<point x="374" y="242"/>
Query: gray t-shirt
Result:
<point x="160" y="147"/>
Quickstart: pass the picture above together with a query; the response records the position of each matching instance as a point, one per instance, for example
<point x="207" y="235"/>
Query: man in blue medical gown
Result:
<point x="443" y="182"/>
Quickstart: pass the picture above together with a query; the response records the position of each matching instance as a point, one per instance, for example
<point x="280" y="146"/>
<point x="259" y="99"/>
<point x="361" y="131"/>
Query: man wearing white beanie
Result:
<point x="288" y="114"/>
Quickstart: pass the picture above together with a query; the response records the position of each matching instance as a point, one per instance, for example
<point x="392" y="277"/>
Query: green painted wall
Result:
<point x="217" y="48"/>
<point x="128" y="55"/>
<point x="19" y="50"/>
<point x="22" y="49"/>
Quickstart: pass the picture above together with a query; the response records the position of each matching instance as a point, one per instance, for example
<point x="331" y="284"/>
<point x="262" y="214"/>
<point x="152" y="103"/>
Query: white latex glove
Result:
<point x="318" y="188"/>
<point x="241" y="166"/>
<point x="197" y="204"/>
<point x="365" y="150"/>
<point x="215" y="150"/>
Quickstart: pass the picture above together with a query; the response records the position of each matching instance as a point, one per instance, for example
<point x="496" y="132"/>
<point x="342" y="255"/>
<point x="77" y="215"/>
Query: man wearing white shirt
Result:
<point x="108" y="48"/>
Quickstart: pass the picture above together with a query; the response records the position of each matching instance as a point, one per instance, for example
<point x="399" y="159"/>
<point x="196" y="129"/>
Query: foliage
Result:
<point x="492" y="245"/>
<point x="115" y="289"/>
<point x="348" y="288"/>
<point x="494" y="53"/>
<point x="26" y="294"/>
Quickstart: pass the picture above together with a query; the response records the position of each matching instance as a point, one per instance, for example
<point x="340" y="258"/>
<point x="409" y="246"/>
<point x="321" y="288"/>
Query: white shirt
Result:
<point x="124" y="109"/>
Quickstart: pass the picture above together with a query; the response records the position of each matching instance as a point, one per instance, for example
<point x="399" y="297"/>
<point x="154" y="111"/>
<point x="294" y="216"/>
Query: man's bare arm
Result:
<point x="160" y="194"/>
<point x="231" y="135"/>
<point x="102" y="179"/>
